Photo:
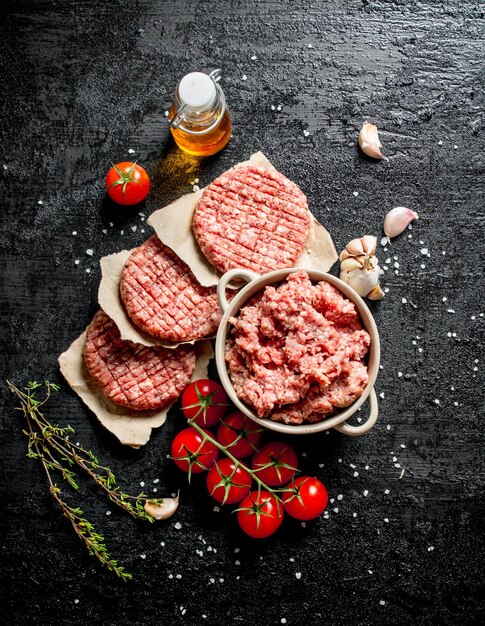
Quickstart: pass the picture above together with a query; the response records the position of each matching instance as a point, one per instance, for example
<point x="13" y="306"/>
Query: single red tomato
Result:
<point x="260" y="514"/>
<point x="205" y="402"/>
<point x="227" y="482"/>
<point x="191" y="453"/>
<point x="305" y="498"/>
<point x="127" y="183"/>
<point x="239" y="434"/>
<point x="275" y="463"/>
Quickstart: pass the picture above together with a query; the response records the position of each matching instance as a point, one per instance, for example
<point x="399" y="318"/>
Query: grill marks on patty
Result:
<point x="252" y="217"/>
<point x="132" y="375"/>
<point x="163" y="298"/>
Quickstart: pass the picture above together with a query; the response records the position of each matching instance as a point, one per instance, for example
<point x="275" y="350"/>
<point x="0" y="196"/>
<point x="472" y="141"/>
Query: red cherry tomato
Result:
<point x="239" y="434"/>
<point x="127" y="183"/>
<point x="205" y="402"/>
<point x="191" y="453"/>
<point x="227" y="482"/>
<point x="306" y="498"/>
<point x="275" y="463"/>
<point x="260" y="515"/>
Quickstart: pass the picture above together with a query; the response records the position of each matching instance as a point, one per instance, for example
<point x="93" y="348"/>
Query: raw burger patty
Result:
<point x="163" y="297"/>
<point x="252" y="217"/>
<point x="132" y="375"/>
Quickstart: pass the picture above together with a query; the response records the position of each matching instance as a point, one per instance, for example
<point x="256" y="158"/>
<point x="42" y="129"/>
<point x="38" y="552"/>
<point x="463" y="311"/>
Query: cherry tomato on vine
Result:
<point x="275" y="463"/>
<point x="260" y="514"/>
<point x="191" y="453"/>
<point x="306" y="498"/>
<point x="239" y="434"/>
<point x="205" y="402"/>
<point x="227" y="482"/>
<point x="127" y="183"/>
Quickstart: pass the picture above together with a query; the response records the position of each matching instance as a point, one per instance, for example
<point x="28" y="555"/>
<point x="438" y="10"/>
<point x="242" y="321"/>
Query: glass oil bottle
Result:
<point x="199" y="119"/>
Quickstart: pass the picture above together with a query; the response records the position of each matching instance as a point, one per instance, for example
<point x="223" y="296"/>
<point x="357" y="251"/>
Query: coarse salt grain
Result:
<point x="177" y="525"/>
<point x="306" y="133"/>
<point x="143" y="556"/>
<point x="382" y="602"/>
<point x="88" y="271"/>
<point x="354" y="514"/>
<point x="356" y="474"/>
<point x="108" y="512"/>
<point x="366" y="493"/>
<point x="244" y="77"/>
<point x="355" y="193"/>
<point x="382" y="395"/>
<point x="89" y="252"/>
<point x="387" y="492"/>
<point x="131" y="151"/>
<point x="424" y="251"/>
<point x="298" y="575"/>
<point x="76" y="262"/>
<point x="76" y="601"/>
<point x="431" y="548"/>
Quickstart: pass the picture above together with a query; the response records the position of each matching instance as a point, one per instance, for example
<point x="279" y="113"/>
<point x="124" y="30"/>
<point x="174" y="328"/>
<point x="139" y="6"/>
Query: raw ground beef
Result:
<point x="295" y="352"/>
<point x="252" y="217"/>
<point x="163" y="298"/>
<point x="131" y="375"/>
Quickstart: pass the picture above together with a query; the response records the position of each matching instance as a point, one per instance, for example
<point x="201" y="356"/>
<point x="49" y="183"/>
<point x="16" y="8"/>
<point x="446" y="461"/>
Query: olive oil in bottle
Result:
<point x="198" y="117"/>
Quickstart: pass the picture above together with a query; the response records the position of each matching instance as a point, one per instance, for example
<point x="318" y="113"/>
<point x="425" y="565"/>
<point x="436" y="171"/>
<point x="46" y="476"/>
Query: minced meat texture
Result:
<point x="131" y="375"/>
<point x="252" y="217"/>
<point x="164" y="299"/>
<point x="296" y="353"/>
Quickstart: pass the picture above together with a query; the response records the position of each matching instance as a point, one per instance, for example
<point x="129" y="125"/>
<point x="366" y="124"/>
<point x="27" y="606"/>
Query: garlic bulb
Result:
<point x="369" y="141"/>
<point x="359" y="267"/>
<point x="162" y="509"/>
<point x="397" y="220"/>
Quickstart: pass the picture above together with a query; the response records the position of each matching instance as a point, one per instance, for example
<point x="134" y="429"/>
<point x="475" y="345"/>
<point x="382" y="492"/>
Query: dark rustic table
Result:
<point x="86" y="83"/>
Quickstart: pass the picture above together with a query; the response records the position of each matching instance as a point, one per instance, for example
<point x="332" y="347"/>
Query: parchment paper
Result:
<point x="132" y="428"/>
<point x="173" y="225"/>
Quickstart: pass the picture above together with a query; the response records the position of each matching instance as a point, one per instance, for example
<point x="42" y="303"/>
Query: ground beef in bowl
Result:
<point x="296" y="352"/>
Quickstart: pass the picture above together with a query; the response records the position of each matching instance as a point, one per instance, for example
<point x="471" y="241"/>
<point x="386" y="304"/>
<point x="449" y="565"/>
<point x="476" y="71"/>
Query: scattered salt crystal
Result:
<point x="387" y="492"/>
<point x="177" y="525"/>
<point x="89" y="252"/>
<point x="382" y="602"/>
<point x="254" y="57"/>
<point x="279" y="107"/>
<point x="394" y="459"/>
<point x="143" y="556"/>
<point x="306" y="133"/>
<point x="366" y="467"/>
<point x="386" y="289"/>
<point x="122" y="232"/>
<point x="356" y="474"/>
<point x="320" y="465"/>
<point x="237" y="550"/>
<point x="396" y="264"/>
<point x="310" y="45"/>
<point x="382" y="395"/>
<point x="335" y="509"/>
<point x="76" y="262"/>
<point x="422" y="266"/>
<point x="131" y="151"/>
<point x="340" y="497"/>
<point x="339" y="460"/>
<point x="403" y="446"/>
<point x="424" y="251"/>
<point x="355" y="193"/>
<point x="397" y="465"/>
<point x="111" y="224"/>
<point x="436" y="401"/>
<point x="370" y="571"/>
<point x="88" y="271"/>
<point x="273" y="107"/>
<point x="399" y="374"/>
<point x="386" y="519"/>
<point x="352" y="465"/>
<point x="440" y="143"/>
<point x="431" y="548"/>
<point x="291" y="559"/>
<point x="133" y="228"/>
<point x="216" y="509"/>
<point x="388" y="427"/>
<point x="366" y="493"/>
<point x="455" y="147"/>
<point x="354" y="514"/>
<point x="142" y="484"/>
<point x="108" y="512"/>
<point x="237" y="562"/>
<point x="195" y="188"/>
<point x="155" y="490"/>
<point x="105" y="231"/>
<point x="179" y="576"/>
<point x="298" y="575"/>
<point x="76" y="601"/>
<point x="404" y="301"/>
<point x="39" y="202"/>
<point x="450" y="310"/>
<point x="244" y="77"/>
<point x="282" y="620"/>
<point x="142" y="230"/>
<point x="420" y="349"/>
<point x="74" y="232"/>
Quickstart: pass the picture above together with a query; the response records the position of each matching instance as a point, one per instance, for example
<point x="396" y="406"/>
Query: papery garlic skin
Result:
<point x="162" y="510"/>
<point x="369" y="141"/>
<point x="398" y="219"/>
<point x="359" y="267"/>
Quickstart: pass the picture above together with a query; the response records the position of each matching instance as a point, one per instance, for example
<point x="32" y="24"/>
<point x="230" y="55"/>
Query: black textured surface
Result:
<point x="82" y="83"/>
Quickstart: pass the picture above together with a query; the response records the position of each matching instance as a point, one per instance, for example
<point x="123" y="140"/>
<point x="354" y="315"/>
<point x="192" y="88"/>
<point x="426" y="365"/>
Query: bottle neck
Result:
<point x="198" y="121"/>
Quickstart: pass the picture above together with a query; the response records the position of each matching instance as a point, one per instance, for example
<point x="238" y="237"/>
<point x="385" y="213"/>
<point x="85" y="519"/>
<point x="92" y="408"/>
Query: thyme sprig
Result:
<point x="50" y="444"/>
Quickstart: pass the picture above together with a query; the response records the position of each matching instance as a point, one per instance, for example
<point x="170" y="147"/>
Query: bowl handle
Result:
<point x="226" y="278"/>
<point x="355" y="431"/>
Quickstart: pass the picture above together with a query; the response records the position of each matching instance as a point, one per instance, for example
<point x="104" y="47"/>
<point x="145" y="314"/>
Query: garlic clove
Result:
<point x="162" y="509"/>
<point x="352" y="263"/>
<point x="369" y="243"/>
<point x="369" y="141"/>
<point x="355" y="247"/>
<point x="376" y="293"/>
<point x="398" y="219"/>
<point x="362" y="281"/>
